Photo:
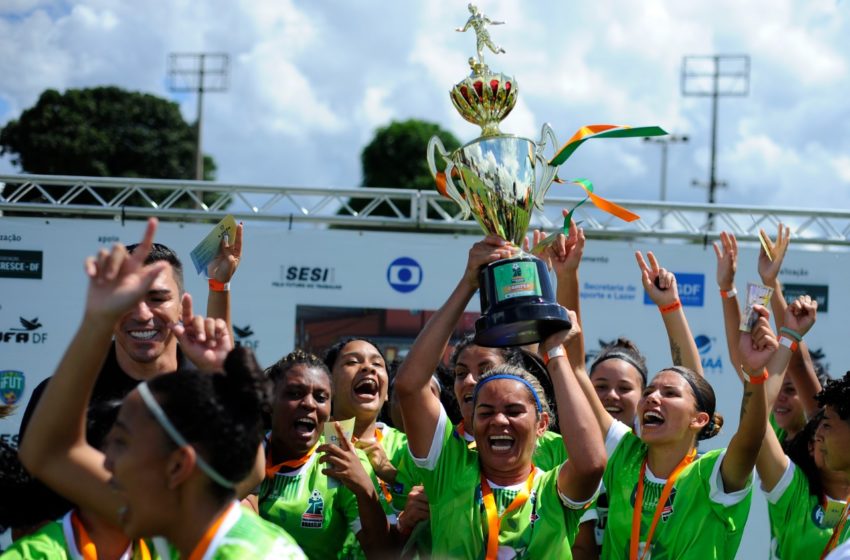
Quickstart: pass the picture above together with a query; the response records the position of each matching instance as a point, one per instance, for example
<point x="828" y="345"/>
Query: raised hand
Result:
<point x="204" y="340"/>
<point x="800" y="316"/>
<point x="566" y="252"/>
<point x="727" y="260"/>
<point x="416" y="509"/>
<point x="769" y="269"/>
<point x="119" y="280"/>
<point x="489" y="249"/>
<point x="377" y="458"/>
<point x="344" y="465"/>
<point x="659" y="283"/>
<point x="562" y="338"/>
<point x="226" y="261"/>
<point x="756" y="347"/>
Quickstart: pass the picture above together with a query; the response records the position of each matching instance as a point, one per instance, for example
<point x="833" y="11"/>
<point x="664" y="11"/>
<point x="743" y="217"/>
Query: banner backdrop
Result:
<point x="42" y="291"/>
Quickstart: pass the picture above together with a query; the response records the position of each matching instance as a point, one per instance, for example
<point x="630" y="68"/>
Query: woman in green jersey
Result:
<point x="496" y="502"/>
<point x="301" y="491"/>
<point x="80" y="533"/>
<point x="180" y="442"/>
<point x="663" y="500"/>
<point x="835" y="432"/>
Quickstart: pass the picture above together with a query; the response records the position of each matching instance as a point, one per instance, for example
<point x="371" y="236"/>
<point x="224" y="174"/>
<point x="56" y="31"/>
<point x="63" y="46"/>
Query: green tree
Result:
<point x="395" y="158"/>
<point x="104" y="132"/>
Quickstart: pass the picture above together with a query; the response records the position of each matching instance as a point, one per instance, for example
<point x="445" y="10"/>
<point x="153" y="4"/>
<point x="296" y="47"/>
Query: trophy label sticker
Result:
<point x="205" y="252"/>
<point x="516" y="279"/>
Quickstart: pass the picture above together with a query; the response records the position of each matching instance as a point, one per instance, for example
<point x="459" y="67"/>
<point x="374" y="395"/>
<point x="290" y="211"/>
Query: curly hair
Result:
<point x="836" y="394"/>
<point x="221" y="415"/>
<point x="297" y="357"/>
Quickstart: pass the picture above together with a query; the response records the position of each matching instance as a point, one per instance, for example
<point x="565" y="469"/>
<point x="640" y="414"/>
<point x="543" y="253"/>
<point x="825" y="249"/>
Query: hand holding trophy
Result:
<point x="500" y="179"/>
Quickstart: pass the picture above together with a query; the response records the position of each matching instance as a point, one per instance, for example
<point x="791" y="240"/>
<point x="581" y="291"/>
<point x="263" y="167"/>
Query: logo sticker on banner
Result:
<point x="11" y="386"/>
<point x="245" y="337"/>
<point x="404" y="275"/>
<point x="20" y="264"/>
<point x="709" y="356"/>
<point x="26" y="333"/>
<point x="691" y="289"/>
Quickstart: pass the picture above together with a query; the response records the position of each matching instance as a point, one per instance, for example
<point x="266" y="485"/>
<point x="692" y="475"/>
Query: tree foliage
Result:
<point x="395" y="158"/>
<point x="104" y="132"/>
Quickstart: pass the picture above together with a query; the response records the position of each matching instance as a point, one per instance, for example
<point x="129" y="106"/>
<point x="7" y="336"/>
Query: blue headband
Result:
<point x="512" y="377"/>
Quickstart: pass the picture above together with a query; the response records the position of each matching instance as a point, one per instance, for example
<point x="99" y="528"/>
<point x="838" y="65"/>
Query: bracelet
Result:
<point x="789" y="342"/>
<point x="672" y="307"/>
<point x="728" y="294"/>
<point x="792" y="333"/>
<point x="556" y="352"/>
<point x="404" y="531"/>
<point x="216" y="286"/>
<point x="756" y="379"/>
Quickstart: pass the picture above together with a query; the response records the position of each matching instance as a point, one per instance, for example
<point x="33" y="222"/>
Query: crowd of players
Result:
<point x="156" y="438"/>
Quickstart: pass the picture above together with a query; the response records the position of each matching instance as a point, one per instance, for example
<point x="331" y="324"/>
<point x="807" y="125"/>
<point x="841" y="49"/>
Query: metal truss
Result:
<point x="398" y="209"/>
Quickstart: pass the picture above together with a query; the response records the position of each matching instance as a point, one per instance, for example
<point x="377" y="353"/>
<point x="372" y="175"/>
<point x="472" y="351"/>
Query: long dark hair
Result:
<point x="798" y="449"/>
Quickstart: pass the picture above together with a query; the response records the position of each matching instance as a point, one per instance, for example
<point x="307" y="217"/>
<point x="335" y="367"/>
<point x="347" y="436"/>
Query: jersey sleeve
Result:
<point x="441" y="433"/>
<point x="346" y="501"/>
<point x="782" y="487"/>
<point x="717" y="492"/>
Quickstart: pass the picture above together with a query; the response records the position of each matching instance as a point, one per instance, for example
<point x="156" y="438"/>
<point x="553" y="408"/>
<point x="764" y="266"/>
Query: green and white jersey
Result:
<point x="544" y="527"/>
<point x="317" y="511"/>
<point x="56" y="541"/>
<point x="548" y="454"/>
<point x="394" y="443"/>
<point x="798" y="523"/>
<point x="781" y="434"/>
<point x="700" y="519"/>
<point x="242" y="535"/>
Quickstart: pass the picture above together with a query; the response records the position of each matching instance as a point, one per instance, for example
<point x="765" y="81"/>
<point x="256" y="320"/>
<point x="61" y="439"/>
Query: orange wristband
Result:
<point x="216" y="286"/>
<point x="789" y="342"/>
<point x="729" y="293"/>
<point x="756" y="379"/>
<point x="672" y="307"/>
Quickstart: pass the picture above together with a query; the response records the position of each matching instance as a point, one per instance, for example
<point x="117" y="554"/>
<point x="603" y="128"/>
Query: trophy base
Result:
<point x="518" y="304"/>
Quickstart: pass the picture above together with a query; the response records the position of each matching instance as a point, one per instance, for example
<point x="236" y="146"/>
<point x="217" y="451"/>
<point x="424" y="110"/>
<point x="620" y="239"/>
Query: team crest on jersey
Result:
<point x="651" y="496"/>
<point x="314" y="517"/>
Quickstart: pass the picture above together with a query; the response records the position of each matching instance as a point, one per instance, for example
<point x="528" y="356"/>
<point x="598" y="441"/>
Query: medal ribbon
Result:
<point x="836" y="532"/>
<point x="659" y="507"/>
<point x="86" y="546"/>
<point x="271" y="471"/>
<point x="494" y="520"/>
<point x="591" y="131"/>
<point x="387" y="496"/>
<point x="209" y="535"/>
<point x="462" y="433"/>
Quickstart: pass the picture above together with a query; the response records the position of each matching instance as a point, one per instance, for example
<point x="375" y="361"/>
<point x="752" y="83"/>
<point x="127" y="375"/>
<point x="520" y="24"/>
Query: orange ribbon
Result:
<point x="292" y="464"/>
<point x="494" y="520"/>
<point x="637" y="514"/>
<point x="87" y="548"/>
<point x="462" y="433"/>
<point x="209" y="535"/>
<point x="836" y="532"/>
<point x="387" y="496"/>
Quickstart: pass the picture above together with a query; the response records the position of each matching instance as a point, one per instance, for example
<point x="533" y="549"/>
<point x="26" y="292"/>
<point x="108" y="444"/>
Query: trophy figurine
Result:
<point x="500" y="179"/>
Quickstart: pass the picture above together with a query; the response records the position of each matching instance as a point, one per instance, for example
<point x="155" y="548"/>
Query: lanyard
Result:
<point x="659" y="507"/>
<point x="836" y="532"/>
<point x="202" y="546"/>
<point x="379" y="435"/>
<point x="462" y="433"/>
<point x="86" y="546"/>
<point x="494" y="520"/>
<point x="271" y="471"/>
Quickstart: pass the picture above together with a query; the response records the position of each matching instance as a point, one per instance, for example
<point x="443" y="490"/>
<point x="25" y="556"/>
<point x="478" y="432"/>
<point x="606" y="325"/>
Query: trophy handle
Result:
<point x="548" y="172"/>
<point x="451" y="190"/>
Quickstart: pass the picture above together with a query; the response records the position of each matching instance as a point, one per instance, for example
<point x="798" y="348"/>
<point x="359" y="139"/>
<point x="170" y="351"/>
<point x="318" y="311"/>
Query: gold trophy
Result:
<point x="500" y="179"/>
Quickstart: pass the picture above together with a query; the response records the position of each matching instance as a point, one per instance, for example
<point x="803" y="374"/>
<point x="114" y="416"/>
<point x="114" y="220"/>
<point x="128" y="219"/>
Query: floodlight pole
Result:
<point x="664" y="142"/>
<point x="194" y="78"/>
<point x="716" y="91"/>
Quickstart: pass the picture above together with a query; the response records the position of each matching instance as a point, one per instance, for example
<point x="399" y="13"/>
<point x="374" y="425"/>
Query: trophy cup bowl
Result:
<point x="500" y="180"/>
<point x="485" y="100"/>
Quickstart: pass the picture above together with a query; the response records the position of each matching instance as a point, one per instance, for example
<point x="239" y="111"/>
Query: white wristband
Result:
<point x="728" y="294"/>
<point x="555" y="352"/>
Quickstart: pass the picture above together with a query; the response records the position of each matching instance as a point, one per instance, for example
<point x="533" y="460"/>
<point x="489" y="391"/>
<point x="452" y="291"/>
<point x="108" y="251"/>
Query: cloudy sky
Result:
<point x="311" y="81"/>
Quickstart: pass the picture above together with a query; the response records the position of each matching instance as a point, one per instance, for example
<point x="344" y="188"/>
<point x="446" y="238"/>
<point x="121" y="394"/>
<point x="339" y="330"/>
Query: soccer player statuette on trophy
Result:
<point x="502" y="178"/>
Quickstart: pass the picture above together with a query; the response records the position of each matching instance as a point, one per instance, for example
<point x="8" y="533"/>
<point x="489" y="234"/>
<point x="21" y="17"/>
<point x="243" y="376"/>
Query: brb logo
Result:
<point x="404" y="274"/>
